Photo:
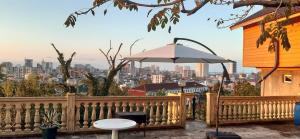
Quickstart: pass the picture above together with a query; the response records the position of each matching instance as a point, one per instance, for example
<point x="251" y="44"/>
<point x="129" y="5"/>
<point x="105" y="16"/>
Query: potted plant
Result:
<point x="50" y="125"/>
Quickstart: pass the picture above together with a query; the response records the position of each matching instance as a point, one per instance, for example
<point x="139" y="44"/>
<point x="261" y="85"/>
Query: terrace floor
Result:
<point x="196" y="130"/>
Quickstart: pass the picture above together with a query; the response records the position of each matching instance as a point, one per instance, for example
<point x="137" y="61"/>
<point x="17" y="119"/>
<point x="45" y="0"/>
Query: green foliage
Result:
<point x="31" y="87"/>
<point x="244" y="88"/>
<point x="161" y="92"/>
<point x="163" y="17"/>
<point x="50" y="119"/>
<point x="275" y="32"/>
<point x="224" y="92"/>
<point x="9" y="88"/>
<point x="115" y="90"/>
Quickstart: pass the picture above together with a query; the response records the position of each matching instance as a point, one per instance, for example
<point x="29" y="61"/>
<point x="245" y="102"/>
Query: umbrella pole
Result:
<point x="218" y="103"/>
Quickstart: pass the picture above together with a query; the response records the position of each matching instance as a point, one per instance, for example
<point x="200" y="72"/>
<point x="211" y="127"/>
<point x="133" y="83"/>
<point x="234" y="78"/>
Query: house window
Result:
<point x="287" y="78"/>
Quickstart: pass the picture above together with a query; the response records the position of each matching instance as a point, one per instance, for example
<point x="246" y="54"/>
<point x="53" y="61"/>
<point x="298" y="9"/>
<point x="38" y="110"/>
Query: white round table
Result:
<point x="115" y="125"/>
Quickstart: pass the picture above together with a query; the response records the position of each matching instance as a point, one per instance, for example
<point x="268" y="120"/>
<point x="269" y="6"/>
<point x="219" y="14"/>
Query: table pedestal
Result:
<point x="114" y="134"/>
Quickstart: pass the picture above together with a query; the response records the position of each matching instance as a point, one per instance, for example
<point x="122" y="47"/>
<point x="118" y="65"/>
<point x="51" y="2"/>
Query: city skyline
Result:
<point x="171" y="67"/>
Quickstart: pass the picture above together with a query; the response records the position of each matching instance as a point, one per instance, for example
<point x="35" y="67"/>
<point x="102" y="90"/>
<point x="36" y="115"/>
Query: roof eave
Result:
<point x="258" y="19"/>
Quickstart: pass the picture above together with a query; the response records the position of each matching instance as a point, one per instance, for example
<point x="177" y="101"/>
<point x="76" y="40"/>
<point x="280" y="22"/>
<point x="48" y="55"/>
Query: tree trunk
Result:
<point x="108" y="81"/>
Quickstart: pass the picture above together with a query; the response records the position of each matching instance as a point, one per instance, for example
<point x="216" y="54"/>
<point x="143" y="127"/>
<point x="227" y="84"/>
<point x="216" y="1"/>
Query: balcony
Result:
<point x="167" y="116"/>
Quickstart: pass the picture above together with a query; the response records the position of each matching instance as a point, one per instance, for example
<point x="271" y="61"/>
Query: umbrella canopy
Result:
<point x="176" y="53"/>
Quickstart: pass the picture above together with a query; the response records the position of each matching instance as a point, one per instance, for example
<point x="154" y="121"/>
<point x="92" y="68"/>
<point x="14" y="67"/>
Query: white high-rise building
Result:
<point x="232" y="67"/>
<point x="202" y="69"/>
<point x="157" y="78"/>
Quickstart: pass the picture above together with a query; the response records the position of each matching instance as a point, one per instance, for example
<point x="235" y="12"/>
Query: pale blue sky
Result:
<point x="28" y="27"/>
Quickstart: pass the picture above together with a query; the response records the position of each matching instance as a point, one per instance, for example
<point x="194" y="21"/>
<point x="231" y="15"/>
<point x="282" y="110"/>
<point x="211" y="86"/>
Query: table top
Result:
<point x="114" y="124"/>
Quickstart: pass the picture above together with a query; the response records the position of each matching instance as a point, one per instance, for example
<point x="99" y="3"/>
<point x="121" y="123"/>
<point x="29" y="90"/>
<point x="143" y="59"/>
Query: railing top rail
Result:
<point x="126" y="98"/>
<point x="33" y="99"/>
<point x="259" y="97"/>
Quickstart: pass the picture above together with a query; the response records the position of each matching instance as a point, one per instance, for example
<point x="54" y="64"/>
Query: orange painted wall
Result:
<point x="260" y="57"/>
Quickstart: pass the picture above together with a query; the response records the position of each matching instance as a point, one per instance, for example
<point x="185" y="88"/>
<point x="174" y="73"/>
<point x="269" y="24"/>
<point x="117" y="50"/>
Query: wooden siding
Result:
<point x="260" y="57"/>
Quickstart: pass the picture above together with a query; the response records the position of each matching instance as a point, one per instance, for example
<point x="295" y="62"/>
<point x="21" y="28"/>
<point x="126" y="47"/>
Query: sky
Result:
<point x="27" y="28"/>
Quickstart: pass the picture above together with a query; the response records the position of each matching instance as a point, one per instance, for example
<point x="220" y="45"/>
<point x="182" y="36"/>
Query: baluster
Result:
<point x="286" y="110"/>
<point x="240" y="114"/>
<point x="85" y="115"/>
<point x="138" y="105"/>
<point x="27" y="117"/>
<point x="244" y="111"/>
<point x="94" y="106"/>
<point x="175" y="114"/>
<point x="170" y="114"/>
<point x="235" y="111"/>
<point x="8" y="118"/>
<point x="291" y="109"/>
<point x="282" y="109"/>
<point x="109" y="105"/>
<point x="130" y="107"/>
<point x="63" y="116"/>
<point x="18" y="117"/>
<point x="101" y="115"/>
<point x="270" y="109"/>
<point x="117" y="105"/>
<point x="189" y="111"/>
<point x="157" y="113"/>
<point x="151" y="114"/>
<point x="145" y="107"/>
<point x="230" y="111"/>
<point x="249" y="112"/>
<point x="275" y="109"/>
<point x="225" y="112"/>
<point x="258" y="110"/>
<point x="164" y="114"/>
<point x="78" y="125"/>
<point x="124" y="106"/>
<point x="37" y="117"/>
<point x="262" y="109"/>
<point x="266" y="107"/>
<point x="253" y="112"/>
<point x="278" y="109"/>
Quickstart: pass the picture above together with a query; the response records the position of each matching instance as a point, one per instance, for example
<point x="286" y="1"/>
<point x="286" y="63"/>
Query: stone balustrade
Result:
<point x="24" y="115"/>
<point x="234" y="109"/>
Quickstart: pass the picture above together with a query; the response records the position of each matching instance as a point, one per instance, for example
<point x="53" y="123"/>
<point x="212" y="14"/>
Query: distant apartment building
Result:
<point x="187" y="72"/>
<point x="7" y="67"/>
<point x="179" y="69"/>
<point x="232" y="68"/>
<point x="152" y="89"/>
<point x="154" y="69"/>
<point x="159" y="78"/>
<point x="202" y="70"/>
<point x="28" y="63"/>
<point x="47" y="67"/>
<point x="132" y="69"/>
<point x="126" y="69"/>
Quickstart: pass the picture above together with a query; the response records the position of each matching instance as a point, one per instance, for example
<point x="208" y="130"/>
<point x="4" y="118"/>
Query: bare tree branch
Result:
<point x="106" y="56"/>
<point x="198" y="6"/>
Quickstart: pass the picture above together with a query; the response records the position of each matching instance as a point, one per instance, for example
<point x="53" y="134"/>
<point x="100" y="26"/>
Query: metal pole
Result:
<point x="225" y="75"/>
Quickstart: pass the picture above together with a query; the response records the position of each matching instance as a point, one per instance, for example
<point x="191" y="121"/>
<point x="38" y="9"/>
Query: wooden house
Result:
<point x="285" y="81"/>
